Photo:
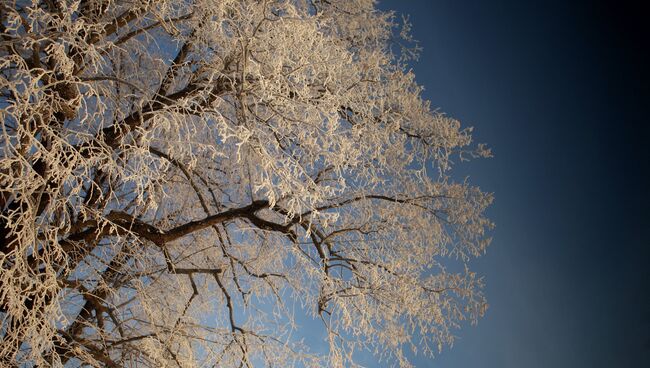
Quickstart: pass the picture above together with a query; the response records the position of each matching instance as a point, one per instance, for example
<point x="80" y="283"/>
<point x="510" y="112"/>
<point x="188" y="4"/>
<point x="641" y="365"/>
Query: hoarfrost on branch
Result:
<point x="180" y="177"/>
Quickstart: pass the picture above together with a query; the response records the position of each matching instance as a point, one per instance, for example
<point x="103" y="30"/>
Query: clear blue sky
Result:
<point x="559" y="90"/>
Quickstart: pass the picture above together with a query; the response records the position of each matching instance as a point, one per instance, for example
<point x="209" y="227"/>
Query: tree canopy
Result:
<point x="179" y="178"/>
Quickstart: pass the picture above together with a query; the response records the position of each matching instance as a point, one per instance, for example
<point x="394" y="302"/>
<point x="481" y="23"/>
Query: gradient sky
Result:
<point x="559" y="91"/>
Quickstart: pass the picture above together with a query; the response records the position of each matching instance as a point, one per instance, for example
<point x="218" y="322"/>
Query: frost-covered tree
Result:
<point x="180" y="178"/>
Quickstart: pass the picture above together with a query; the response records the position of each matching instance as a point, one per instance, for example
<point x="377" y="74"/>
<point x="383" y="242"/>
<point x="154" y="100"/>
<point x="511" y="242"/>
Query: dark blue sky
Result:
<point x="559" y="90"/>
